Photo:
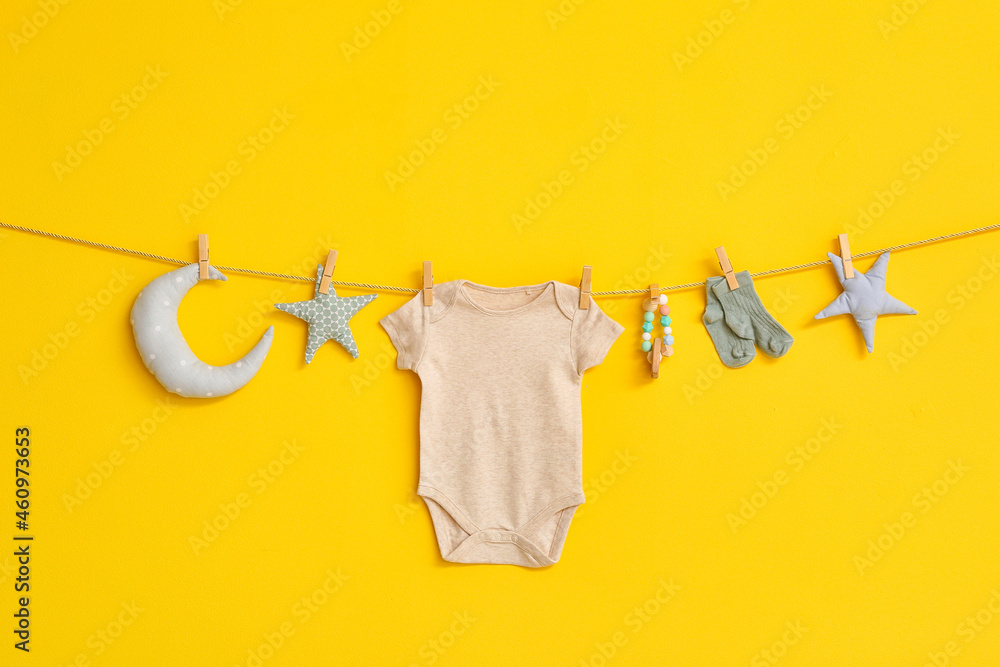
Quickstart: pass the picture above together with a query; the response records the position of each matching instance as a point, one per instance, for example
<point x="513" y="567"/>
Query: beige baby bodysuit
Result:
<point x="500" y="418"/>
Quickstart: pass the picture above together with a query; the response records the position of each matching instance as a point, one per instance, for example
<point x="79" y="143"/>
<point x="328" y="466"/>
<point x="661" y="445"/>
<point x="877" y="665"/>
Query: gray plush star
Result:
<point x="328" y="316"/>
<point x="864" y="297"/>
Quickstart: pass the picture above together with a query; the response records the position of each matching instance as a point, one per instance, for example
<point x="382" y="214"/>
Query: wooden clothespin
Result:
<point x="585" y="288"/>
<point x="657" y="355"/>
<point x="428" y="285"/>
<point x="331" y="262"/>
<point x="727" y="268"/>
<point x="845" y="254"/>
<point x="202" y="256"/>
<point x="653" y="301"/>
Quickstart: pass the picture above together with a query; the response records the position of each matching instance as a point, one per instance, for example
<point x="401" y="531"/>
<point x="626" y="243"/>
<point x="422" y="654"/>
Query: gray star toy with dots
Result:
<point x="328" y="316"/>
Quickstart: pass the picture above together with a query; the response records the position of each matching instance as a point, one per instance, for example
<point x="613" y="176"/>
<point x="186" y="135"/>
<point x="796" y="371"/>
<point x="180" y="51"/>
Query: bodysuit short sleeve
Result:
<point x="407" y="329"/>
<point x="592" y="336"/>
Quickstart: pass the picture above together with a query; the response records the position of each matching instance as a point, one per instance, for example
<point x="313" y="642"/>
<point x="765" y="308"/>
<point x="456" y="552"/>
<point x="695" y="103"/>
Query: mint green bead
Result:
<point x="648" y="316"/>
<point x="648" y="326"/>
<point x="646" y="346"/>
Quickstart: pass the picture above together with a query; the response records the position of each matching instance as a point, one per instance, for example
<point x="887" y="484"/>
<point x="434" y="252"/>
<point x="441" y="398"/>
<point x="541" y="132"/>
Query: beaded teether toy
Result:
<point x="653" y="348"/>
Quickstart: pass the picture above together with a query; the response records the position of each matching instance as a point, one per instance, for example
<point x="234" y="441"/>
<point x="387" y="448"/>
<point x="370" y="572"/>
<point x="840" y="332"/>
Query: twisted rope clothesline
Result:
<point x="412" y="290"/>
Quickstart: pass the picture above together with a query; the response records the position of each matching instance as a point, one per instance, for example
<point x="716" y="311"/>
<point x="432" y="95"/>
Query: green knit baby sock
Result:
<point x="733" y="350"/>
<point x="746" y="315"/>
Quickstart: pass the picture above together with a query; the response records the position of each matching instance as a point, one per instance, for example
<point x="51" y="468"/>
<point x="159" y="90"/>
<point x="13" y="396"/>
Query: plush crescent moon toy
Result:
<point x="168" y="356"/>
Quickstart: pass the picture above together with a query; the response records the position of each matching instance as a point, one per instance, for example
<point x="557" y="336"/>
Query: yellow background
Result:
<point x="699" y="441"/>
